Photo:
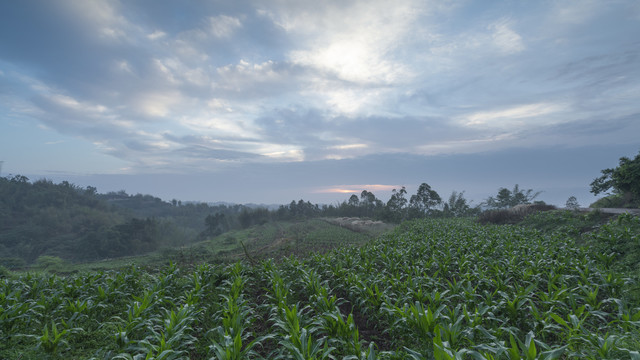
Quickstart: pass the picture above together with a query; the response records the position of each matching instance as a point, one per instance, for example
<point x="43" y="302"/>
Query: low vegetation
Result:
<point x="623" y="180"/>
<point x="440" y="289"/>
<point x="43" y="219"/>
<point x="512" y="215"/>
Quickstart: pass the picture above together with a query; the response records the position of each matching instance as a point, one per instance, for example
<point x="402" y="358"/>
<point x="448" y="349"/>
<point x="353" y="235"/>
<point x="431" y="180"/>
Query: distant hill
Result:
<point x="78" y="224"/>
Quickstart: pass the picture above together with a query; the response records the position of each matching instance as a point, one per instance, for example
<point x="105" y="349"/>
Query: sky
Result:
<point x="274" y="100"/>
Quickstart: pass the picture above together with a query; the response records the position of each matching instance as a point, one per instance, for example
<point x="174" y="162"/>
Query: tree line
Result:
<point x="42" y="218"/>
<point x="426" y="202"/>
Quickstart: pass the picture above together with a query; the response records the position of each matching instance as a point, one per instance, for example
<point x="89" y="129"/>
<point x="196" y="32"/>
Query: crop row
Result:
<point x="445" y="289"/>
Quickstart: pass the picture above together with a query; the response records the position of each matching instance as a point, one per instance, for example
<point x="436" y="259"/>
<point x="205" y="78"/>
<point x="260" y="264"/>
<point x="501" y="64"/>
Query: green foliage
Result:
<point x="50" y="341"/>
<point x="509" y="198"/>
<point x="425" y="199"/>
<point x="13" y="262"/>
<point x="624" y="179"/>
<point x="572" y="203"/>
<point x="457" y="206"/>
<point x="443" y="289"/>
<point x="4" y="272"/>
<point x="620" y="237"/>
<point x="396" y="209"/>
<point x="78" y="224"/>
<point x="568" y="222"/>
<point x="512" y="215"/>
<point x="612" y="201"/>
<point x="51" y="263"/>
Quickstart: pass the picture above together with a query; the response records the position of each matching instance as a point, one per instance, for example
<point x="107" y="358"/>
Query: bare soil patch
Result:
<point x="368" y="226"/>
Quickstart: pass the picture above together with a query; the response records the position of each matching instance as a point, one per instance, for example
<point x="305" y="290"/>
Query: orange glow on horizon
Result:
<point x="346" y="189"/>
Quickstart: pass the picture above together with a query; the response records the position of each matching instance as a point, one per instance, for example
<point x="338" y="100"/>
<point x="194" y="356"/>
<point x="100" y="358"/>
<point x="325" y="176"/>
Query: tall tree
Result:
<point x="396" y="206"/>
<point x="425" y="199"/>
<point x="572" y="203"/>
<point x="370" y="203"/>
<point x="456" y="205"/>
<point x="509" y="198"/>
<point x="624" y="179"/>
<point x="217" y="223"/>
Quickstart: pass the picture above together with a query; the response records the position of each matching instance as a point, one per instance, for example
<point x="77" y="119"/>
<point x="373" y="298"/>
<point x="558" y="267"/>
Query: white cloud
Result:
<point x="349" y="146"/>
<point x="165" y="71"/>
<point x="156" y="35"/>
<point x="352" y="101"/>
<point x="511" y="116"/>
<point x="176" y="72"/>
<point x="244" y="70"/>
<point x="219" y="104"/>
<point x="467" y="146"/>
<point x="282" y="152"/>
<point x="352" y="71"/>
<point x="223" y="26"/>
<point x="352" y="41"/>
<point x="348" y="51"/>
<point x="576" y="12"/>
<point x="347" y="151"/>
<point x="505" y="39"/>
<point x="102" y="17"/>
<point x="156" y="104"/>
<point x="266" y="79"/>
<point x="216" y="124"/>
<point x="124" y="66"/>
<point x="187" y="48"/>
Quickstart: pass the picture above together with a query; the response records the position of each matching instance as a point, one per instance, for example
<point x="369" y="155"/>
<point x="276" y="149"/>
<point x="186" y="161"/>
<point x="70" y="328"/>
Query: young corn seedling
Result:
<point x="234" y="347"/>
<point x="231" y="341"/>
<point x="441" y="350"/>
<point x="424" y="321"/>
<point x="171" y="339"/>
<point x="51" y="341"/>
<point x="304" y="347"/>
<point x="605" y="346"/>
<point x="527" y="350"/>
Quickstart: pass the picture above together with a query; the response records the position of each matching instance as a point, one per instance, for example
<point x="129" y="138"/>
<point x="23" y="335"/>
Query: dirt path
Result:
<point x="371" y="227"/>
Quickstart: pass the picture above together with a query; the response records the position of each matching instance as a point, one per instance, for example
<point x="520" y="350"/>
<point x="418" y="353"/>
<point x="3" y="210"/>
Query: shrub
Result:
<point x="12" y="263"/>
<point x="4" y="272"/>
<point x="620" y="236"/>
<point x="612" y="201"/>
<point x="572" y="203"/>
<point x="50" y="263"/>
<point x="229" y="240"/>
<point x="566" y="221"/>
<point x="512" y="215"/>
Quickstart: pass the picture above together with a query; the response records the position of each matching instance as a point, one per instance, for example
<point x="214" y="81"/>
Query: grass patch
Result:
<point x="566" y="221"/>
<point x="270" y="240"/>
<point x="617" y="201"/>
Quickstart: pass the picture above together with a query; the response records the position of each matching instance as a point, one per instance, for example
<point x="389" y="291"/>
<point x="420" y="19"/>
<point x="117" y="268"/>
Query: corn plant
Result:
<point x="443" y="289"/>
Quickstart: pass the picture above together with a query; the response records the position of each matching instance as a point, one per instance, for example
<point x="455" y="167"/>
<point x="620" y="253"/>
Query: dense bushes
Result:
<point x="77" y="224"/>
<point x="512" y="215"/>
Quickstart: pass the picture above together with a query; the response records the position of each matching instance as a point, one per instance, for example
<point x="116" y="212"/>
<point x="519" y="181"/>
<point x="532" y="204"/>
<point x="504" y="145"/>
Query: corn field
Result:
<point x="433" y="289"/>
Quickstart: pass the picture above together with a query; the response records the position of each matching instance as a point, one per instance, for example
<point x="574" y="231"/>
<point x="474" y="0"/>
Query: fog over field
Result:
<point x="269" y="101"/>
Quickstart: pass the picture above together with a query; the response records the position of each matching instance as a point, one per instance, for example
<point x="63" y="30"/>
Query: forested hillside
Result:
<point x="78" y="224"/>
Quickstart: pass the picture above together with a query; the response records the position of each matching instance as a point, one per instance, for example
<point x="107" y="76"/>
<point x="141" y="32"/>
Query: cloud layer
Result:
<point x="167" y="87"/>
